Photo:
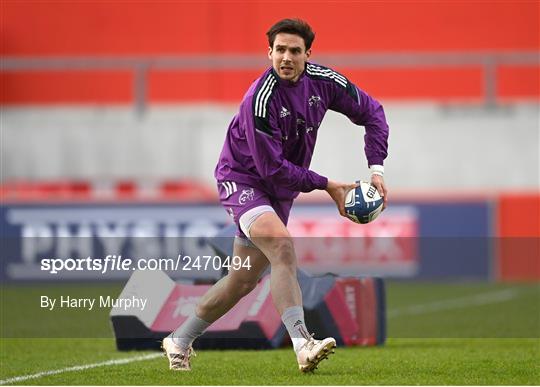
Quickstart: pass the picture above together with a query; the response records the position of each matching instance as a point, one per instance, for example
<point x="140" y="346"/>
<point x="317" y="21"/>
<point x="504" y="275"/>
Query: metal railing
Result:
<point x="488" y="61"/>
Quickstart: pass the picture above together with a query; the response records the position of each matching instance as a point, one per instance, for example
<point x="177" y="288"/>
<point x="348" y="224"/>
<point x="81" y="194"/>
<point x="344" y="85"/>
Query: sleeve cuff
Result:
<point x="321" y="182"/>
<point x="377" y="169"/>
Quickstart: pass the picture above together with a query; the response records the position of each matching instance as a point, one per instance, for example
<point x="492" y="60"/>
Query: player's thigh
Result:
<point x="270" y="235"/>
<point x="253" y="260"/>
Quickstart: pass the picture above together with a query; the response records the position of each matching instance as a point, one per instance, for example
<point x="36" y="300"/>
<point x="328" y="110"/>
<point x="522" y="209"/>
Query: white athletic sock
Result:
<point x="293" y="318"/>
<point x="192" y="328"/>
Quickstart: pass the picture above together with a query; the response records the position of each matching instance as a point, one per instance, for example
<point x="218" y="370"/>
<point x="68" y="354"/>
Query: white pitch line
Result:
<point x="81" y="368"/>
<point x="455" y="303"/>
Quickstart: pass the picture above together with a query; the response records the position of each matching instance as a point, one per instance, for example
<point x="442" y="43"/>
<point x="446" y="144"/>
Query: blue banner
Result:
<point x="409" y="240"/>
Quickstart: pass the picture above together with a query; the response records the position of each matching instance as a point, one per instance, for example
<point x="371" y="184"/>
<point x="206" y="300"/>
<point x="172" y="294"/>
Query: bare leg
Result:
<point x="221" y="297"/>
<point x="275" y="245"/>
<point x="270" y="235"/>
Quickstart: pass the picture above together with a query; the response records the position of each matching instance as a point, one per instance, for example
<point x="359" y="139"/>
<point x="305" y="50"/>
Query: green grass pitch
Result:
<point x="458" y="334"/>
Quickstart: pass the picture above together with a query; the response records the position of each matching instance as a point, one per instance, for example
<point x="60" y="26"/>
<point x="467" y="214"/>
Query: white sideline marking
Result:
<point x="81" y="368"/>
<point x="456" y="303"/>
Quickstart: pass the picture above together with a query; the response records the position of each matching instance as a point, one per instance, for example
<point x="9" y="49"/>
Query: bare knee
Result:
<point x="271" y="236"/>
<point x="282" y="252"/>
<point x="279" y="248"/>
<point x="227" y="292"/>
<point x="239" y="287"/>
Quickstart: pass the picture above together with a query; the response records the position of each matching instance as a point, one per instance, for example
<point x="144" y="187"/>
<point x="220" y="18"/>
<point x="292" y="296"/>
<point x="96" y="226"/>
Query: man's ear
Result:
<point x="269" y="52"/>
<point x="308" y="53"/>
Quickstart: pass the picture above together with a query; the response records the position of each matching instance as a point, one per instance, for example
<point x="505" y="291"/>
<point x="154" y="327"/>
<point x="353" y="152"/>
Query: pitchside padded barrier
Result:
<point x="349" y="309"/>
<point x="361" y="294"/>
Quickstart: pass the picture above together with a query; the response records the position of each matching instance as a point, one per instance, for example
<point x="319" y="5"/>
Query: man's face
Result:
<point x="289" y="56"/>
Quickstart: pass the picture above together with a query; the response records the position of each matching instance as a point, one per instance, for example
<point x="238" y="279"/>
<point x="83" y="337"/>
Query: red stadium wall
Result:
<point x="518" y="246"/>
<point x="56" y="28"/>
<point x="127" y="28"/>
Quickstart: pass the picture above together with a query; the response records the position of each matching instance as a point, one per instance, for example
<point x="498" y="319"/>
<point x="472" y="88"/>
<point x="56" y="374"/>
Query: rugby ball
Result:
<point x="363" y="204"/>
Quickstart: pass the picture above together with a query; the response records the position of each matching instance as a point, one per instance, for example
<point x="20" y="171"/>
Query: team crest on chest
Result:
<point x="314" y="101"/>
